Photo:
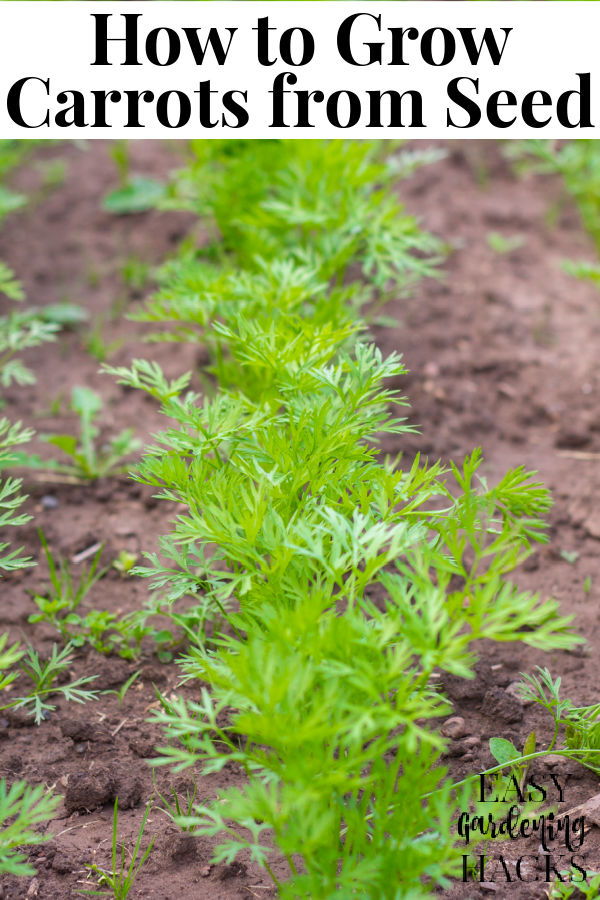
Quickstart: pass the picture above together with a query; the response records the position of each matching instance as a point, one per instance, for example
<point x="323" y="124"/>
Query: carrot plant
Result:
<point x="317" y="199"/>
<point x="576" y="727"/>
<point x="355" y="581"/>
<point x="346" y="579"/>
<point x="22" y="810"/>
<point x="12" y="153"/>
<point x="289" y="223"/>
<point x="45" y="675"/>
<point x="578" y="164"/>
<point x="22" y="807"/>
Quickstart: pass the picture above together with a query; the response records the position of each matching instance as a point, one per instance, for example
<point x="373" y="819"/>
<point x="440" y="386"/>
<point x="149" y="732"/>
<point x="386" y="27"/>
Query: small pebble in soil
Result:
<point x="454" y="728"/>
<point x="50" y="502"/>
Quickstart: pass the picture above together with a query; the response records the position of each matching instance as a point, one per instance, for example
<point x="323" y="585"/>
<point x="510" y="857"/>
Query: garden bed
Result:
<point x="502" y="353"/>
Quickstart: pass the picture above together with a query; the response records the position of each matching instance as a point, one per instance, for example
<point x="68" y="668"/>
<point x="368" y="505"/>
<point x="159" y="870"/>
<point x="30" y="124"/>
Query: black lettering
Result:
<point x="13" y="102"/>
<point x="262" y="30"/>
<point x="584" y="104"/>
<point x="213" y="40"/>
<point x="100" y="99"/>
<point x="494" y="102"/>
<point x="184" y="107"/>
<point x="353" y="111"/>
<point x="77" y="108"/>
<point x="489" y="39"/>
<point x="174" y="46"/>
<point x="449" y="48"/>
<point x="395" y="108"/>
<point x="133" y="106"/>
<point x="278" y="91"/>
<point x="232" y="106"/>
<point x="285" y="46"/>
<point x="469" y="106"/>
<point x="344" y="43"/>
<point x="101" y="39"/>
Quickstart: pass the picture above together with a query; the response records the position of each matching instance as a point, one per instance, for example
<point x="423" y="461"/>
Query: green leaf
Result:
<point x="20" y="458"/>
<point x="65" y="442"/>
<point x="9" y="201"/>
<point x="570" y="556"/>
<point x="139" y="195"/>
<point x="529" y="745"/>
<point x="63" y="314"/>
<point x="503" y="751"/>
<point x="86" y="402"/>
<point x="9" y="284"/>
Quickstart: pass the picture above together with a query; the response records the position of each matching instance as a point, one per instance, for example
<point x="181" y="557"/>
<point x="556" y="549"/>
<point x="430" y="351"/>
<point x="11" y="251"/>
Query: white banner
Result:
<point x="299" y="69"/>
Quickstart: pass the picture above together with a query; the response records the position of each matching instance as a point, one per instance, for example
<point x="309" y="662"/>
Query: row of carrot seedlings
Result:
<point x="347" y="581"/>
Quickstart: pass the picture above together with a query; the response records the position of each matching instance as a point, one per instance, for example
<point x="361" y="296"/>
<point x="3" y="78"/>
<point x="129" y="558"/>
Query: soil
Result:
<point x="502" y="353"/>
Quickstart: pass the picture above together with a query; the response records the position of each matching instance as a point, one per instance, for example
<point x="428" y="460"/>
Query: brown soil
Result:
<point x="502" y="353"/>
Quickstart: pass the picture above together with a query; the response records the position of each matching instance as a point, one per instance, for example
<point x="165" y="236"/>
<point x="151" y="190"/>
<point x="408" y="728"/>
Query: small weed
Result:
<point x="124" y="562"/>
<point x="53" y="172"/>
<point x="56" y="405"/>
<point x="9" y="201"/>
<point x="570" y="556"/>
<point x="64" y="314"/>
<point x="97" y="346"/>
<point x="136" y="193"/>
<point x="88" y="461"/>
<point x="135" y="273"/>
<point x="20" y="329"/>
<point x="177" y="811"/>
<point x="587" y="585"/>
<point x="505" y="753"/>
<point x="119" y="879"/>
<point x="125" y="687"/>
<point x="571" y="881"/>
<point x="44" y="676"/>
<point x="57" y="606"/>
<point x="92" y="275"/>
<point x="139" y="195"/>
<point x="504" y="245"/>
